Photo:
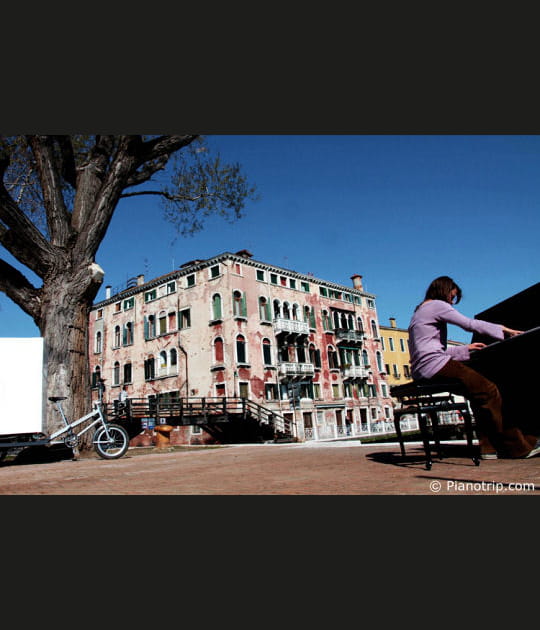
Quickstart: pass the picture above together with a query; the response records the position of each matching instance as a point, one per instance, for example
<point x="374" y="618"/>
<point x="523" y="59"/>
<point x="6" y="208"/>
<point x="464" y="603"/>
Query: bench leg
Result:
<point x="469" y="433"/>
<point x="397" y="426"/>
<point x="435" y="429"/>
<point x="425" y="439"/>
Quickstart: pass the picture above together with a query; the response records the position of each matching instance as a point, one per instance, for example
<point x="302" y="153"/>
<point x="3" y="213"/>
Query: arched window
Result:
<point x="241" y="356"/>
<point x="151" y="327"/>
<point x="218" y="350"/>
<point x="174" y="360"/>
<point x="360" y="324"/>
<point x="332" y="358"/>
<point x="286" y="311"/>
<point x="374" y="328"/>
<point x="309" y="316"/>
<point x="117" y="336"/>
<point x="314" y="355"/>
<point x="116" y="373"/>
<point x="378" y="357"/>
<point x="163" y="362"/>
<point x="128" y="334"/>
<point x="149" y="368"/>
<point x="295" y="312"/>
<point x="96" y="376"/>
<point x="216" y="306"/>
<point x="267" y="351"/>
<point x="277" y="309"/>
<point x="365" y="358"/>
<point x="239" y="304"/>
<point x="326" y="321"/>
<point x="98" y="342"/>
<point x="264" y="309"/>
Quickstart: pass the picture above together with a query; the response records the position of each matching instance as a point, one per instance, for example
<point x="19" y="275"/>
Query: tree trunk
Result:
<point x="66" y="301"/>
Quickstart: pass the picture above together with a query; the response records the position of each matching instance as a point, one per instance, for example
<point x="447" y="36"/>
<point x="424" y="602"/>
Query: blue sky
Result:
<point x="398" y="209"/>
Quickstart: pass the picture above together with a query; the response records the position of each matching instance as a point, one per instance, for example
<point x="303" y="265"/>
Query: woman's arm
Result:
<point x="449" y="314"/>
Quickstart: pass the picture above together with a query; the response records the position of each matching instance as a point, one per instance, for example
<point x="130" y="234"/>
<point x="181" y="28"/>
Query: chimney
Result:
<point x="108" y="291"/>
<point x="357" y="282"/>
<point x="140" y="280"/>
<point x="392" y="322"/>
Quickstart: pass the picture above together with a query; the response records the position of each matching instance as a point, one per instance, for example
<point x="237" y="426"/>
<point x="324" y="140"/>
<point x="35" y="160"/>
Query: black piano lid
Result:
<point x="520" y="312"/>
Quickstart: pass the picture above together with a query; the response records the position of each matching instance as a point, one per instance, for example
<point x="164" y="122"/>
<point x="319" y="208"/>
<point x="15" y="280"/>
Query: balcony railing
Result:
<point x="355" y="371"/>
<point x="305" y="369"/>
<point x="347" y="334"/>
<point x="290" y="326"/>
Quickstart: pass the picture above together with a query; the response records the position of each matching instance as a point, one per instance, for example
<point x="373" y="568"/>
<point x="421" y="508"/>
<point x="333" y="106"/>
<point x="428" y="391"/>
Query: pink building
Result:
<point x="230" y="326"/>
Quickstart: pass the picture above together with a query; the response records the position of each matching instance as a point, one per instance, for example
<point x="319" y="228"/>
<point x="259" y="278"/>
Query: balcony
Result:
<point x="297" y="369"/>
<point x="346" y="334"/>
<point x="354" y="371"/>
<point x="290" y="326"/>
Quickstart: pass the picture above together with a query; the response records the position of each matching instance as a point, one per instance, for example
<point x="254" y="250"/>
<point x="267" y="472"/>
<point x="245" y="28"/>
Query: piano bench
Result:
<point x="424" y="399"/>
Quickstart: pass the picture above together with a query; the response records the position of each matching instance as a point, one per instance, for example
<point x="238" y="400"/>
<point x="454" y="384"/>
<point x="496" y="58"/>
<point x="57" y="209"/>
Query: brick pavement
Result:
<point x="313" y="468"/>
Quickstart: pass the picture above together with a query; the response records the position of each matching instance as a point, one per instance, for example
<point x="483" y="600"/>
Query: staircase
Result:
<point x="227" y="419"/>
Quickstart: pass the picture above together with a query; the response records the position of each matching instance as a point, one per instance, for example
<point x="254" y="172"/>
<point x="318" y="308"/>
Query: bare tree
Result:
<point x="57" y="197"/>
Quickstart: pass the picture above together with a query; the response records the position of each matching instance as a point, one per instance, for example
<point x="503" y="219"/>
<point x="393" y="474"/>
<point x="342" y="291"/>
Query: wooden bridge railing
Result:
<point x="198" y="410"/>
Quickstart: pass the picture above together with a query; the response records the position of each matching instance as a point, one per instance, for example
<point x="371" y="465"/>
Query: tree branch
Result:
<point x="101" y="193"/>
<point x="67" y="159"/>
<point x="164" y="145"/>
<point x="21" y="237"/>
<point x="58" y="217"/>
<point x="15" y="285"/>
<point x="163" y="193"/>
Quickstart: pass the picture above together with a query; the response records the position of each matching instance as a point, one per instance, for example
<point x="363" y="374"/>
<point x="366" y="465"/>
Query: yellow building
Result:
<point x="395" y="346"/>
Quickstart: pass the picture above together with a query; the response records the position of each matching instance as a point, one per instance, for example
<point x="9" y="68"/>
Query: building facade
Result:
<point x="395" y="347"/>
<point x="231" y="326"/>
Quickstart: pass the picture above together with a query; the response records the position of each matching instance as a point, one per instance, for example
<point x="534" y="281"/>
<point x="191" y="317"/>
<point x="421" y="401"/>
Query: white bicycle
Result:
<point x="110" y="441"/>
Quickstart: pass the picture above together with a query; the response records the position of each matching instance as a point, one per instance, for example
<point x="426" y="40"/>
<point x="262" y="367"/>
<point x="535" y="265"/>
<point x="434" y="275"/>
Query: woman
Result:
<point x="432" y="359"/>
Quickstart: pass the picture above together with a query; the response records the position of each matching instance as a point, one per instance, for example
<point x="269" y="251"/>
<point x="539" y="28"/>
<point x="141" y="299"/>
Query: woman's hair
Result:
<point x="440" y="288"/>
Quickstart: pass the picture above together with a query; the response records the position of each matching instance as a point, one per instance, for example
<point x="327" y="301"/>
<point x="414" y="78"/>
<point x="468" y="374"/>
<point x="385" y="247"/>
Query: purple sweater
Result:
<point x="427" y="337"/>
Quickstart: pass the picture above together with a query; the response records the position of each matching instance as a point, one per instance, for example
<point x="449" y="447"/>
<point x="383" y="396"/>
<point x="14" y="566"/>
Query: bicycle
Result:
<point x="110" y="441"/>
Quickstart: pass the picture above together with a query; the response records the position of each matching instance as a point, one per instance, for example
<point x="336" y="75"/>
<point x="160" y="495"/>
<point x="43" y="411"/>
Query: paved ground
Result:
<point x="313" y="468"/>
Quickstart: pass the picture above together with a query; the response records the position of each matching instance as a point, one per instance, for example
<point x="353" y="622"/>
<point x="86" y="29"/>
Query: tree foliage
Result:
<point x="58" y="195"/>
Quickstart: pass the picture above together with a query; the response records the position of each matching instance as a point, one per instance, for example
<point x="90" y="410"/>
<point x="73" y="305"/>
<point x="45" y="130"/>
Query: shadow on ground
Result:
<point x="415" y="456"/>
<point x="38" y="455"/>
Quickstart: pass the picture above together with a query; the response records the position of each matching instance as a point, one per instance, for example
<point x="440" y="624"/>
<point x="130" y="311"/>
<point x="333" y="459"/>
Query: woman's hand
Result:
<point x="476" y="346"/>
<point x="510" y="332"/>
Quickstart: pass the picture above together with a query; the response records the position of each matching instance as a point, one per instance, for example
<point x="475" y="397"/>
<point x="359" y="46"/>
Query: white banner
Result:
<point x="22" y="381"/>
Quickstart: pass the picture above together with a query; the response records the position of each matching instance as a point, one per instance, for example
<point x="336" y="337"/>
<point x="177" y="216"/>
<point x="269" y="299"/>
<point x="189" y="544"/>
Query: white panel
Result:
<point x="21" y="385"/>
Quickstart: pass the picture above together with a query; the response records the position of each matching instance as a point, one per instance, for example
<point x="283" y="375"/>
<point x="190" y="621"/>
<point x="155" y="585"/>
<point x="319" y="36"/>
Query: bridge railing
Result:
<point x="209" y="408"/>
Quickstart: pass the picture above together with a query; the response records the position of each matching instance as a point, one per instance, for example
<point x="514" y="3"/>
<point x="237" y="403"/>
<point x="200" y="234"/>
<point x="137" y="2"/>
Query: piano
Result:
<point x="512" y="363"/>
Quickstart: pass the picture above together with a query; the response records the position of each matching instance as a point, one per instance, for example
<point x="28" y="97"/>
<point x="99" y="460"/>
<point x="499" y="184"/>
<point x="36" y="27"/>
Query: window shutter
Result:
<point x="244" y="306"/>
<point x="217" y="306"/>
<point x="145" y="327"/>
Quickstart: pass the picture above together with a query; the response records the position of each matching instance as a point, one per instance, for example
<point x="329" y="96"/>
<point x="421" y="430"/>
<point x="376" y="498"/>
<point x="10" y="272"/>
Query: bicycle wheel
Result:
<point x="114" y="447"/>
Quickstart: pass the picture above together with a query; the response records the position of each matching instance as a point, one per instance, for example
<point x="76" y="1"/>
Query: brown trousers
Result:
<point x="494" y="432"/>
